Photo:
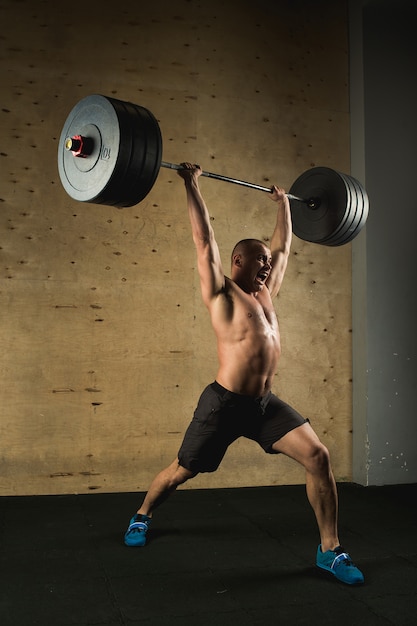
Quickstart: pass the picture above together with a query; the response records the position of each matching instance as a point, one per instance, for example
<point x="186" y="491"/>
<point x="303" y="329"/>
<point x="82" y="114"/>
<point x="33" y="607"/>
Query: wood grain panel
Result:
<point x="105" y="344"/>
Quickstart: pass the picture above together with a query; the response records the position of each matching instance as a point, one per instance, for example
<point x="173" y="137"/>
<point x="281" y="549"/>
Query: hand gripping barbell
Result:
<point x="110" y="152"/>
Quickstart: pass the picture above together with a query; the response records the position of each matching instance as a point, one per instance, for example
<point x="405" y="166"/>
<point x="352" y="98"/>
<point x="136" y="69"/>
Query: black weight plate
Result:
<point x="319" y="225"/>
<point x="124" y="164"/>
<point x="112" y="193"/>
<point x="350" y="213"/>
<point x="365" y="208"/>
<point x="361" y="216"/>
<point x="352" y="219"/>
<point x="146" y="155"/>
<point x="135" y="176"/>
<point x="355" y="215"/>
<point x="85" y="178"/>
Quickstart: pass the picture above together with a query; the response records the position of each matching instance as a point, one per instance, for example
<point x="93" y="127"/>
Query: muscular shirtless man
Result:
<point x="240" y="401"/>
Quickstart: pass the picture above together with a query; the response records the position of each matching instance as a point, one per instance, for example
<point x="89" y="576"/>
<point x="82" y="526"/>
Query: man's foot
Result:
<point x="340" y="565"/>
<point x="136" y="533"/>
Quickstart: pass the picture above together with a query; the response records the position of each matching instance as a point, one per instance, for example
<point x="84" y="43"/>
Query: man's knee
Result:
<point x="318" y="460"/>
<point x="178" y="474"/>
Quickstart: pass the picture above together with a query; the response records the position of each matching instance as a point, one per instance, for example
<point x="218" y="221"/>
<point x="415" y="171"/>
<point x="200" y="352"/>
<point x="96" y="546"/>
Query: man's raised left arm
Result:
<point x="280" y="244"/>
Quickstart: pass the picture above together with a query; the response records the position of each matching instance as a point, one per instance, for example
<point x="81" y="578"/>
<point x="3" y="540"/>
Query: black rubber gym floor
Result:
<point x="214" y="558"/>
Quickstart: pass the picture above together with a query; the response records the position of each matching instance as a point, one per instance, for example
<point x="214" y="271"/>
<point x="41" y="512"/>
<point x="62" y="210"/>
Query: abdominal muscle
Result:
<point x="248" y="344"/>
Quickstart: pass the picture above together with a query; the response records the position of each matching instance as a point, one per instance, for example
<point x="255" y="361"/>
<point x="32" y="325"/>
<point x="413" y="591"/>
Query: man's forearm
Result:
<point x="282" y="235"/>
<point x="198" y="212"/>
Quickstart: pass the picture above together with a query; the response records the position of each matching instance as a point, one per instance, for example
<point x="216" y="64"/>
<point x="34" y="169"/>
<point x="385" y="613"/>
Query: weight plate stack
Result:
<point x="125" y="151"/>
<point x="359" y="219"/>
<point x="352" y="209"/>
<point x="340" y="210"/>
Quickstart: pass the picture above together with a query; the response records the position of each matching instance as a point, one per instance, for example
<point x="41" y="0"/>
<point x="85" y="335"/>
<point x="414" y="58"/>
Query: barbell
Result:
<point x="110" y="152"/>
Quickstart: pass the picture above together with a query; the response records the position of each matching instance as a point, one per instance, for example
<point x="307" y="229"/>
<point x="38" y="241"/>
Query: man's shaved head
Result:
<point x="244" y="245"/>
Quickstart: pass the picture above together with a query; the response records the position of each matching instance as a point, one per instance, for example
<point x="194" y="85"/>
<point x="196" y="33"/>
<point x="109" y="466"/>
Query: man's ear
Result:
<point x="237" y="260"/>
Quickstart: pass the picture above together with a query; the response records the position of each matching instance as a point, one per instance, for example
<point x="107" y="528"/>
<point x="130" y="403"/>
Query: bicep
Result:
<point x="279" y="266"/>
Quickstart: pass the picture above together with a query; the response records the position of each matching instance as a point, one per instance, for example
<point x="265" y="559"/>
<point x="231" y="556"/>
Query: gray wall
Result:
<point x="384" y="137"/>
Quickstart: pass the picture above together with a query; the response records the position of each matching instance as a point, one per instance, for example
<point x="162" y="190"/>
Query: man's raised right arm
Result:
<point x="210" y="268"/>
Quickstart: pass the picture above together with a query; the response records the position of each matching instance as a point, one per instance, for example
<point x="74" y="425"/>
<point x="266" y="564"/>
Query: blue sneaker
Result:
<point x="339" y="563"/>
<point x="136" y="533"/>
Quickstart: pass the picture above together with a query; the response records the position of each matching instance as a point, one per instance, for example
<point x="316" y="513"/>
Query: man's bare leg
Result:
<point x="303" y="445"/>
<point x="322" y="495"/>
<point x="163" y="485"/>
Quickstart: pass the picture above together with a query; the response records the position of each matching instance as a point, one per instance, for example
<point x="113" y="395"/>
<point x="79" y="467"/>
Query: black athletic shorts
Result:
<point x="221" y="417"/>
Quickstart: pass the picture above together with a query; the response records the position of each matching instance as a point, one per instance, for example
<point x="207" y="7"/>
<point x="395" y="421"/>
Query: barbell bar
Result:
<point x="110" y="152"/>
<point x="236" y="181"/>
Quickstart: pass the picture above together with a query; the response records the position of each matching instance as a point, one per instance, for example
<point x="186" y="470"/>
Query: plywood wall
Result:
<point x="105" y="345"/>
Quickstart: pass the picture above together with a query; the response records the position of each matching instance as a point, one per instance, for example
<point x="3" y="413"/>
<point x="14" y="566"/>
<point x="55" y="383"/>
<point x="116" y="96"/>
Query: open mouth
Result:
<point x="261" y="277"/>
